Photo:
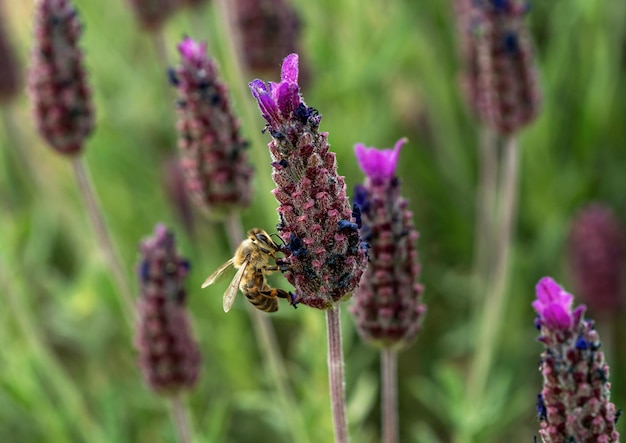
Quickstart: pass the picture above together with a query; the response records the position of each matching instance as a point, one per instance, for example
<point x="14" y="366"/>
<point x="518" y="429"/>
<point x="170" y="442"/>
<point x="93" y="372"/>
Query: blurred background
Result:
<point x="379" y="71"/>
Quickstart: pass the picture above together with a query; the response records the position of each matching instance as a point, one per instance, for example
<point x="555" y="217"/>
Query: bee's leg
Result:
<point x="270" y="269"/>
<point x="280" y="293"/>
<point x="282" y="265"/>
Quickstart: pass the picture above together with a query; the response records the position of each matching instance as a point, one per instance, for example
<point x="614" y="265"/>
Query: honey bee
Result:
<point x="252" y="261"/>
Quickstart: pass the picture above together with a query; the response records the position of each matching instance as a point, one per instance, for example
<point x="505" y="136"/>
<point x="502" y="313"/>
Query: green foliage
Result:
<point x="381" y="70"/>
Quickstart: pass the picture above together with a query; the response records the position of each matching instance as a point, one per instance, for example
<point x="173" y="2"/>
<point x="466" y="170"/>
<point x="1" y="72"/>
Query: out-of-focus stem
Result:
<point x="97" y="218"/>
<point x="266" y="336"/>
<point x="181" y="420"/>
<point x="389" y="400"/>
<point x="491" y="317"/>
<point x="160" y="47"/>
<point x="486" y="195"/>
<point x="68" y="395"/>
<point x="336" y="378"/>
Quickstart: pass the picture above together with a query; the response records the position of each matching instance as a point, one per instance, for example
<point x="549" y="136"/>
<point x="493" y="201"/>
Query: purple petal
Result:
<point x="378" y="164"/>
<point x="287" y="99"/>
<point x="289" y="72"/>
<point x="553" y="304"/>
<point x="191" y="50"/>
<point x="266" y="103"/>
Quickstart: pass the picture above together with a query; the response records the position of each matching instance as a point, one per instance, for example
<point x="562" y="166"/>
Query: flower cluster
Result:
<point x="57" y="78"/>
<point x="152" y="14"/>
<point x="574" y="404"/>
<point x="500" y="78"/>
<point x="10" y="82"/>
<point x="323" y="249"/>
<point x="168" y="355"/>
<point x="388" y="307"/>
<point x="214" y="156"/>
<point x="597" y="251"/>
<point x="270" y="29"/>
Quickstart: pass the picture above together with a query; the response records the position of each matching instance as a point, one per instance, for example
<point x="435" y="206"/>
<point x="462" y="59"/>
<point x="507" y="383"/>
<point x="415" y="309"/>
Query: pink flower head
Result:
<point x="281" y="102"/>
<point x="192" y="51"/>
<point x="378" y="164"/>
<point x="554" y="305"/>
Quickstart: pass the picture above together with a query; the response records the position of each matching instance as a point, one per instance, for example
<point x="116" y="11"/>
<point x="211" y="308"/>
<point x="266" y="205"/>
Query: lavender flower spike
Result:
<point x="57" y="78"/>
<point x="574" y="404"/>
<point x="213" y="153"/>
<point x="388" y="308"/>
<point x="168" y="355"/>
<point x="323" y="247"/>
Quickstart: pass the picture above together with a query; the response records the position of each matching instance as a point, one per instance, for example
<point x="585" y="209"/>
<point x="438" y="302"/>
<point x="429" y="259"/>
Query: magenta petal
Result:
<point x="378" y="164"/>
<point x="287" y="99"/>
<point x="289" y="71"/>
<point x="557" y="317"/>
<point x="191" y="50"/>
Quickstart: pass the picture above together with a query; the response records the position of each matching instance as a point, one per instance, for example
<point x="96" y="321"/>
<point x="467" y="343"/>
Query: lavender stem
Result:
<point x="484" y="241"/>
<point x="97" y="218"/>
<point x="494" y="302"/>
<point x="336" y="378"/>
<point x="181" y="420"/>
<point x="389" y="401"/>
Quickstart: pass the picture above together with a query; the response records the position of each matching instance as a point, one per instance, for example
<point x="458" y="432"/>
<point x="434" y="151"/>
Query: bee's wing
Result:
<point x="219" y="272"/>
<point x="233" y="287"/>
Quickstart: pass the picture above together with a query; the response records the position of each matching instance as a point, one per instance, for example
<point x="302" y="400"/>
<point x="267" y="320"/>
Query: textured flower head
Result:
<point x="378" y="164"/>
<point x="574" y="403"/>
<point x="213" y="153"/>
<point x="168" y="355"/>
<point x="57" y="78"/>
<point x="388" y="306"/>
<point x="323" y="249"/>
<point x="554" y="305"/>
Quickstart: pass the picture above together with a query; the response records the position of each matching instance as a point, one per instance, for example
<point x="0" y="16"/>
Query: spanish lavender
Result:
<point x="499" y="73"/>
<point x="152" y="14"/>
<point x="168" y="355"/>
<point x="597" y="251"/>
<point x="57" y="78"/>
<point x="214" y="158"/>
<point x="323" y="250"/>
<point x="270" y="29"/>
<point x="574" y="402"/>
<point x="388" y="307"/>
<point x="10" y="78"/>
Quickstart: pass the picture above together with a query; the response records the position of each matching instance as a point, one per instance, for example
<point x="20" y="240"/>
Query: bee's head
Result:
<point x="260" y="238"/>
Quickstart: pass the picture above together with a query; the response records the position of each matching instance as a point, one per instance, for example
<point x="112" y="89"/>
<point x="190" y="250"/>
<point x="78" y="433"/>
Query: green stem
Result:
<point x="493" y="306"/>
<point x="69" y="396"/>
<point x="336" y="377"/>
<point x="181" y="419"/>
<point x="266" y="340"/>
<point x="486" y="196"/>
<point x="389" y="400"/>
<point x="106" y="245"/>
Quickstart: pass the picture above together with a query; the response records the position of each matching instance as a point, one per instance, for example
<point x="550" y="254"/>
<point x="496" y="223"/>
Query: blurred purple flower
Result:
<point x="152" y="14"/>
<point x="168" y="355"/>
<point x="388" y="307"/>
<point x="10" y="75"/>
<point x="597" y="252"/>
<point x="57" y="78"/>
<point x="214" y="158"/>
<point x="499" y="73"/>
